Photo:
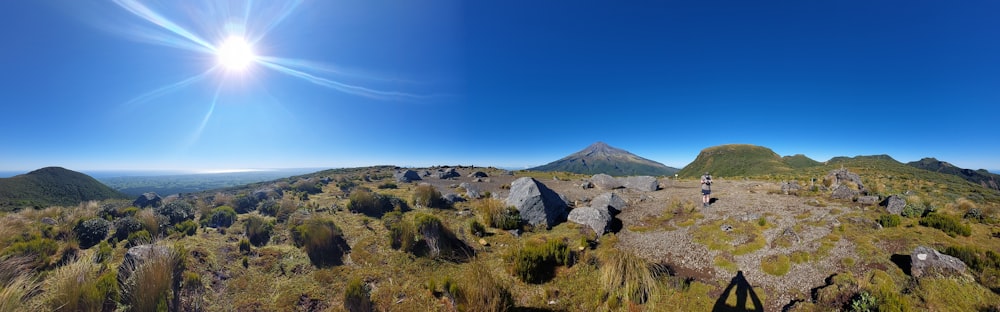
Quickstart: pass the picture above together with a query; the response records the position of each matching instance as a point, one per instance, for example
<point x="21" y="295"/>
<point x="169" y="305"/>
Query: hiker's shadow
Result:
<point x="743" y="290"/>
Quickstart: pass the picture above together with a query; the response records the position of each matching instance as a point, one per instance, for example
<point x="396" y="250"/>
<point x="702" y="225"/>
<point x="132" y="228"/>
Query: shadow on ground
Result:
<point x="742" y="292"/>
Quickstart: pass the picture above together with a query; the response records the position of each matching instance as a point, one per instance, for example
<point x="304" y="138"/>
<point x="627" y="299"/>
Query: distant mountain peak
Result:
<point x="603" y="158"/>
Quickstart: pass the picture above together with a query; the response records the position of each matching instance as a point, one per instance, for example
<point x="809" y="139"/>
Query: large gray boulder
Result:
<point x="641" y="183"/>
<point x="605" y="182"/>
<point x="148" y="199"/>
<point x="597" y="219"/>
<point x="478" y="174"/>
<point x="788" y="188"/>
<point x="471" y="190"/>
<point x="267" y="193"/>
<point x="609" y="202"/>
<point x="868" y="200"/>
<point x="894" y="204"/>
<point x="928" y="262"/>
<point x="537" y="204"/>
<point x="406" y="176"/>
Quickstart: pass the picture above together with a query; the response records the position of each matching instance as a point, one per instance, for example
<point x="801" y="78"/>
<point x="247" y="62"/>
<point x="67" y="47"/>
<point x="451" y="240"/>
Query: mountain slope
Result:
<point x="602" y="158"/>
<point x="52" y="186"/>
<point x="799" y="161"/>
<point x="981" y="176"/>
<point x="736" y="160"/>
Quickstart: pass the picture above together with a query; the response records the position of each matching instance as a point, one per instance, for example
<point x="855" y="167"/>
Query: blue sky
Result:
<point x="113" y="85"/>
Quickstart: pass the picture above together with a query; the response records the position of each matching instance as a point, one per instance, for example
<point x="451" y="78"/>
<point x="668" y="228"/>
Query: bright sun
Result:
<point x="235" y="54"/>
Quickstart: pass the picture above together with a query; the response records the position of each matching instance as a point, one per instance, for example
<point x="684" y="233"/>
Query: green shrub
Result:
<point x="508" y="219"/>
<point x="950" y="225"/>
<point x="864" y="302"/>
<point x="244" y="246"/>
<point x="125" y="226"/>
<point x="356" y="296"/>
<point x="40" y="250"/>
<point x="91" y="232"/>
<point x="269" y="207"/>
<point x="138" y="238"/>
<point x="535" y="262"/>
<point x="307" y="186"/>
<point x="258" y="230"/>
<point x="323" y="241"/>
<point x="176" y="211"/>
<point x="984" y="262"/>
<point x="222" y="217"/>
<point x="477" y="228"/>
<point x="387" y="185"/>
<point x="109" y="289"/>
<point x="373" y="204"/>
<point x="188" y="227"/>
<point x="428" y="196"/>
<point x="435" y="240"/>
<point x="104" y="252"/>
<point x="889" y="220"/>
<point x="244" y="203"/>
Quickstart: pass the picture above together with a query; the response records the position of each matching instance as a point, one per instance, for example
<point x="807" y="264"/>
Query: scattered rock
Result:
<point x="609" y="202"/>
<point x="894" y="204"/>
<point x="447" y="174"/>
<point x="136" y="256"/>
<point x="149" y="199"/>
<point x="452" y="198"/>
<point x="726" y="228"/>
<point x="928" y="262"/>
<point x="750" y="216"/>
<point x="515" y="232"/>
<point x="842" y="176"/>
<point x="537" y="204"/>
<point x="605" y="182"/>
<point x="483" y="242"/>
<point x="471" y="190"/>
<point x="641" y="183"/>
<point x="598" y="220"/>
<point x="587" y="185"/>
<point x="478" y="174"/>
<point x="792" y="236"/>
<point x="49" y="221"/>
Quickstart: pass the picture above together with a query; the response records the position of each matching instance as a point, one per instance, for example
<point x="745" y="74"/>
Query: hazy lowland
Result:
<point x="601" y="229"/>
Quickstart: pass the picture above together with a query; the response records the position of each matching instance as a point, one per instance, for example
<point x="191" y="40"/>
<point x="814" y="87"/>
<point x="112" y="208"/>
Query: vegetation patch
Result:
<point x="628" y="278"/>
<point x="889" y="220"/>
<point x="776" y="265"/>
<point x="677" y="213"/>
<point x="983" y="262"/>
<point x="740" y="239"/>
<point x="725" y="263"/>
<point x="536" y="260"/>
<point x="950" y="225"/>
<point x="323" y="241"/>
<point x="374" y="204"/>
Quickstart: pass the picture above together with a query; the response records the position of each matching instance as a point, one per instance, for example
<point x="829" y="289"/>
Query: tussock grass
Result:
<point x="152" y="281"/>
<point x="16" y="284"/>
<point x="628" y="278"/>
<point x="479" y="290"/>
<point x="776" y="265"/>
<point x="73" y="287"/>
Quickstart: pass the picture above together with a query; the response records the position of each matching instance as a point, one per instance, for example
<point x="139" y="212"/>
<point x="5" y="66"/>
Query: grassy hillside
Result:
<point x="51" y="186"/>
<point x="981" y="176"/>
<point x="799" y="161"/>
<point x="734" y="160"/>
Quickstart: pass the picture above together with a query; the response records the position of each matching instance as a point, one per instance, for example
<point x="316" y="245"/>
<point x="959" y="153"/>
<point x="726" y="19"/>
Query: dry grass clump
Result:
<point x="16" y="284"/>
<point x="480" y="290"/>
<point x="152" y="280"/>
<point x="72" y="287"/>
<point x="628" y="278"/>
<point x="495" y="213"/>
<point x="427" y="196"/>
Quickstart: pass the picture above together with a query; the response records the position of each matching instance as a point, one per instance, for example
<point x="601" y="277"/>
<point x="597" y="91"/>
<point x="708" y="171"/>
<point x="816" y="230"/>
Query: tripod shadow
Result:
<point x="743" y="290"/>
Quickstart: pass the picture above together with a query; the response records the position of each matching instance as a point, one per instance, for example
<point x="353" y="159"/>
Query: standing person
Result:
<point x="706" y="189"/>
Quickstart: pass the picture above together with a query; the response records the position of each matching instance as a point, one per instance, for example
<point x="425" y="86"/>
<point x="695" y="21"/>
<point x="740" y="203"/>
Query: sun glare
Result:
<point x="235" y="54"/>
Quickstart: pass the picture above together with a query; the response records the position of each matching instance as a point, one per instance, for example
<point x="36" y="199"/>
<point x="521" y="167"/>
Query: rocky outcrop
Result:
<point x="605" y="182"/>
<point x="844" y="192"/>
<point x="868" y="200"/>
<point x="597" y="219"/>
<point x="641" y="183"/>
<point x="609" y="202"/>
<point x="267" y="193"/>
<point x="928" y="262"/>
<point x="406" y="176"/>
<point x="894" y="204"/>
<point x="148" y="199"/>
<point x="788" y="188"/>
<point x="843" y="177"/>
<point x="537" y="204"/>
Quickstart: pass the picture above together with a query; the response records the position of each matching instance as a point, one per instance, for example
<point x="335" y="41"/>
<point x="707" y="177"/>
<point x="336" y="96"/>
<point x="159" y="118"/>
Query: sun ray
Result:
<point x="196" y="135"/>
<point x="167" y="89"/>
<point x="151" y="16"/>
<point x="336" y="85"/>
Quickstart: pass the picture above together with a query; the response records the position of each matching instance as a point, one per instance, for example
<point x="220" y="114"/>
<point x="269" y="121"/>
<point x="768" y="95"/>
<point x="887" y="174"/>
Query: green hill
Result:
<point x="981" y="176"/>
<point x="51" y="186"/>
<point x="602" y="158"/>
<point x="799" y="161"/>
<point x="737" y="160"/>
